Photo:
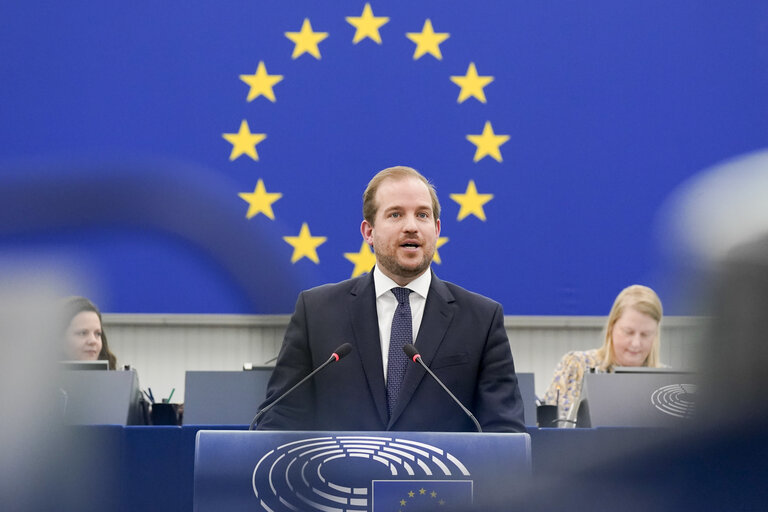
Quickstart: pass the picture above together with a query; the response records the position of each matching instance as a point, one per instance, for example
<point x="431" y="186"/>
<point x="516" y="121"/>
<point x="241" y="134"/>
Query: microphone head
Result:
<point x="410" y="351"/>
<point x="343" y="350"/>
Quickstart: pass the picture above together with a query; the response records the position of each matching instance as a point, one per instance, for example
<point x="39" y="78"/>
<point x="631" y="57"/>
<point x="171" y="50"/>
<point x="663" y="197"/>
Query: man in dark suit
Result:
<point x="459" y="334"/>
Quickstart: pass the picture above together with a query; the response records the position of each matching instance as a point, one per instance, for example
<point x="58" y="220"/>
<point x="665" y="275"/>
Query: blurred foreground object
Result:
<point x="721" y="207"/>
<point x="43" y="462"/>
<point x="717" y="227"/>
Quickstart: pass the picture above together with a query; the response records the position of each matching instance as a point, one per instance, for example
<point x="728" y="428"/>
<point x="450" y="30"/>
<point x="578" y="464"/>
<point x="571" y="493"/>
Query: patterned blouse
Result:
<point x="566" y="384"/>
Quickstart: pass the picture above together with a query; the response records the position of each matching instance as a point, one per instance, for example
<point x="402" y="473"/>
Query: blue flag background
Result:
<point x="132" y="152"/>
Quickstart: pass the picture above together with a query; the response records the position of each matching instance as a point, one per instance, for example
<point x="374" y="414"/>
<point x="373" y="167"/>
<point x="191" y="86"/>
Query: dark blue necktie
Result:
<point x="402" y="334"/>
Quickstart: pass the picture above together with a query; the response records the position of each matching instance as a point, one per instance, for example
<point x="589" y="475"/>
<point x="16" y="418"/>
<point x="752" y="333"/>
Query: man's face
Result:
<point x="404" y="232"/>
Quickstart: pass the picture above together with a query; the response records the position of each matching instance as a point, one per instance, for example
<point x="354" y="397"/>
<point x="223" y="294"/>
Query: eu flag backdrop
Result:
<point x="209" y="157"/>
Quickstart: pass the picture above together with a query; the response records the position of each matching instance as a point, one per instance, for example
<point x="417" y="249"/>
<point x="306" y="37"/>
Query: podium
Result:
<point x="358" y="471"/>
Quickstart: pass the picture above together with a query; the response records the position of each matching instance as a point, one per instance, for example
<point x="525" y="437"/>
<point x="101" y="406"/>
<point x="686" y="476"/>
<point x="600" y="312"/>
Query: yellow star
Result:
<point x="402" y="503"/>
<point x="305" y="244"/>
<point x="244" y="142"/>
<point x="471" y="84"/>
<point x="261" y="83"/>
<point x="260" y="201"/>
<point x="363" y="260"/>
<point x="488" y="143"/>
<point x="427" y="41"/>
<point x="422" y="491"/>
<point x="411" y="494"/>
<point x="433" y="494"/>
<point x="367" y="25"/>
<point x="306" y="41"/>
<point x="471" y="202"/>
<point x="441" y="241"/>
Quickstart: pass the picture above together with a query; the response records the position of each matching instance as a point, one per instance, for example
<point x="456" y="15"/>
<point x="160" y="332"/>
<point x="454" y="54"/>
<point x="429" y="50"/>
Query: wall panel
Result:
<point x="163" y="347"/>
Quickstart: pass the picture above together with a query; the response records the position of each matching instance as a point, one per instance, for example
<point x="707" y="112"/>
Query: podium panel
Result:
<point x="358" y="471"/>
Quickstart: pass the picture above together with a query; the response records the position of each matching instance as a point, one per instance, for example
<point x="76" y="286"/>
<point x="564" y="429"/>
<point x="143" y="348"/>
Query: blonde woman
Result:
<point x="632" y="337"/>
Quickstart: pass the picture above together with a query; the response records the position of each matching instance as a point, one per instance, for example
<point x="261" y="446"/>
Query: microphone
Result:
<point x="340" y="352"/>
<point x="413" y="354"/>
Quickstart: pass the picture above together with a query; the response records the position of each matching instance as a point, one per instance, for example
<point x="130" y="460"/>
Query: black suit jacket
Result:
<point x="461" y="338"/>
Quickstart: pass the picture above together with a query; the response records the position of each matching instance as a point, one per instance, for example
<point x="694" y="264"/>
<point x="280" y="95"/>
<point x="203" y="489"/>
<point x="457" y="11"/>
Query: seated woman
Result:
<point x="84" y="335"/>
<point x="632" y="334"/>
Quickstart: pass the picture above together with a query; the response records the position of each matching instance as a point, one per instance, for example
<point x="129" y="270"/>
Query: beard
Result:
<point x="390" y="263"/>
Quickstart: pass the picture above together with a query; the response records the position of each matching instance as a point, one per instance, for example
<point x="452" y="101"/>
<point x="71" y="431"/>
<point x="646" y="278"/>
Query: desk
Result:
<point x="154" y="466"/>
<point x="156" y="463"/>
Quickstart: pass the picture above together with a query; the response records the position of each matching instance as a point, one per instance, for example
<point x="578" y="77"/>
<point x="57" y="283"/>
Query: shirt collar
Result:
<point x="382" y="284"/>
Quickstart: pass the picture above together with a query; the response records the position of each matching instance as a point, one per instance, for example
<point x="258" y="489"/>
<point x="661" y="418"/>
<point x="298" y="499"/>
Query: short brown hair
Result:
<point x="398" y="172"/>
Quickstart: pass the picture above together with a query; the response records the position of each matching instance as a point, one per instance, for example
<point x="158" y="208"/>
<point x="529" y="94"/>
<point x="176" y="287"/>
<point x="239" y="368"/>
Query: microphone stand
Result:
<point x="417" y="358"/>
<point x="338" y="354"/>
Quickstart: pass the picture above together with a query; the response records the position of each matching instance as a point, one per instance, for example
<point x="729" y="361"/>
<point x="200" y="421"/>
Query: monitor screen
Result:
<point x="646" y="369"/>
<point x="84" y="365"/>
<point x="650" y="399"/>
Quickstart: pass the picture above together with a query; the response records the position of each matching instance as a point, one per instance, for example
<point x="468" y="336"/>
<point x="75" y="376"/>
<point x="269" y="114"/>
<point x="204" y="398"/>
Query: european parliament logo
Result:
<point x="360" y="473"/>
<point x="678" y="400"/>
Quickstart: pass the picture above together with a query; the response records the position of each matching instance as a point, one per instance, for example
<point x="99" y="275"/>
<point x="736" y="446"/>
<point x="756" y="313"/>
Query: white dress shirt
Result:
<point x="386" y="304"/>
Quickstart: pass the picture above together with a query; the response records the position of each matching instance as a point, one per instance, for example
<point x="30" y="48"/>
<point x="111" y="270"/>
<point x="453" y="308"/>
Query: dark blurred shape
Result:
<point x="165" y="414"/>
<point x="546" y="416"/>
<point x="736" y="355"/>
<point x="146" y="195"/>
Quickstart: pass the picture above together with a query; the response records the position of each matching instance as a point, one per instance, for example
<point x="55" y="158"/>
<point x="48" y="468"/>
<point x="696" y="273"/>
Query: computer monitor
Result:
<point x="84" y="365"/>
<point x="100" y="398"/>
<point x="638" y="399"/>
<point x="224" y="397"/>
<point x="527" y="385"/>
<point x="647" y="369"/>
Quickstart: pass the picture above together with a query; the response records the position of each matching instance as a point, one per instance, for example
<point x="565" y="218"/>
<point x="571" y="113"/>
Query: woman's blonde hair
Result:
<point x="644" y="300"/>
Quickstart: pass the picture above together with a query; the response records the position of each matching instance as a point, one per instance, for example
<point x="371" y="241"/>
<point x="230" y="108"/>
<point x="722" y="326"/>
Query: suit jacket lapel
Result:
<point x="365" y="325"/>
<point x="438" y="314"/>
